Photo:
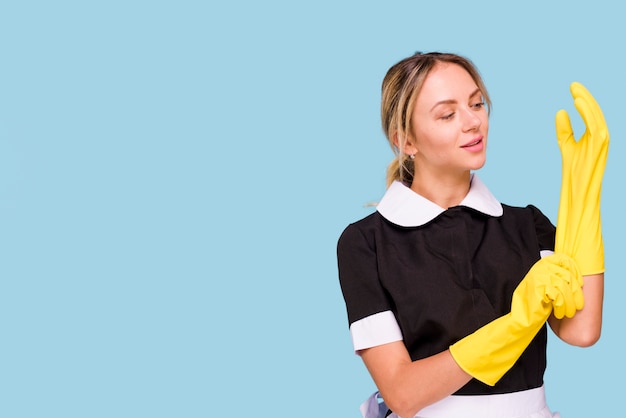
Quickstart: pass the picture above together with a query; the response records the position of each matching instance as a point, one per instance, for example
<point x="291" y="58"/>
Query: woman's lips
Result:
<point x="475" y="146"/>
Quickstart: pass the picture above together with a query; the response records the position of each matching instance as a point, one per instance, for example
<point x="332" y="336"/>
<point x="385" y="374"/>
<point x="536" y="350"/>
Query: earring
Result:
<point x="412" y="156"/>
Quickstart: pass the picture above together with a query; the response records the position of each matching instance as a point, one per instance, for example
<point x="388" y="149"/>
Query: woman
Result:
<point x="446" y="289"/>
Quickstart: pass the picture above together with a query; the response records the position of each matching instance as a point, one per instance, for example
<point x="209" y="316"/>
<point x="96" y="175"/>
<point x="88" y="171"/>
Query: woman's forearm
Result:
<point x="409" y="386"/>
<point x="584" y="329"/>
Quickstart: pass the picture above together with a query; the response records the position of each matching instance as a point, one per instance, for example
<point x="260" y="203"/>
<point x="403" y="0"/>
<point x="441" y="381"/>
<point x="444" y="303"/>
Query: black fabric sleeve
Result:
<point x="358" y="274"/>
<point x="546" y="231"/>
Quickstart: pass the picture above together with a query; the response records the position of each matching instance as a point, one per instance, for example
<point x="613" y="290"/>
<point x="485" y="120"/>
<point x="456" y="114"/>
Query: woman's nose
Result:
<point x="471" y="120"/>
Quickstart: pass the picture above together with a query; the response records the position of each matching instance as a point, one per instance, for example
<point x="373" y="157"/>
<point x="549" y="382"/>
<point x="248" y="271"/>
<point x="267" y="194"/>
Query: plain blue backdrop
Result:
<point x="174" y="176"/>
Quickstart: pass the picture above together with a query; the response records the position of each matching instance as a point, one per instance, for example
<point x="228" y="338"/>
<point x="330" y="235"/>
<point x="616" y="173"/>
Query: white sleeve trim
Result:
<point x="373" y="330"/>
<point x="545" y="253"/>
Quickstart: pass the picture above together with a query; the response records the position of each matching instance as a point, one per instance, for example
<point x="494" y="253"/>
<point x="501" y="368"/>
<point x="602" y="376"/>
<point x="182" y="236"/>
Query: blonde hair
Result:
<point x="401" y="85"/>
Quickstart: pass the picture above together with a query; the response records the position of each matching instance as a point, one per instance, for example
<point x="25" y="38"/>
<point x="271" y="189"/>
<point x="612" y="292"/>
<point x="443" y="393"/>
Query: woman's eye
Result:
<point x="478" y="105"/>
<point x="447" y="116"/>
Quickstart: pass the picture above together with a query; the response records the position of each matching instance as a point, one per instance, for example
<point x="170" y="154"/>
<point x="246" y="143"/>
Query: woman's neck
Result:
<point x="444" y="190"/>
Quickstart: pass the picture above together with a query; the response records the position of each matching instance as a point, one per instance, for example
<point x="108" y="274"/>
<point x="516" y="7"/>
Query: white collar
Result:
<point x="404" y="207"/>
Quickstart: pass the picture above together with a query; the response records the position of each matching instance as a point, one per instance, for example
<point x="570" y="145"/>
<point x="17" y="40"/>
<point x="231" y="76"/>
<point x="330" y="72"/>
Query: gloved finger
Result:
<point x="552" y="293"/>
<point x="559" y="293"/>
<point x="573" y="301"/>
<point x="563" y="302"/>
<point x="588" y="115"/>
<point x="569" y="301"/>
<point x="565" y="285"/>
<point x="576" y="285"/>
<point x="566" y="266"/>
<point x="558" y="303"/>
<point x="579" y="300"/>
<point x="559" y="264"/>
<point x="592" y="108"/>
<point x="564" y="132"/>
<point x="575" y="277"/>
<point x="596" y="135"/>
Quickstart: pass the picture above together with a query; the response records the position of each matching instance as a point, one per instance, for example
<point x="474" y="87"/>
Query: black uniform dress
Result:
<point x="415" y="272"/>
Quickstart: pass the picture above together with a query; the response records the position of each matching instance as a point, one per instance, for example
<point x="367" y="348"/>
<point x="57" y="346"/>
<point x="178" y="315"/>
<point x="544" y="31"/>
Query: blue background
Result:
<point x="174" y="177"/>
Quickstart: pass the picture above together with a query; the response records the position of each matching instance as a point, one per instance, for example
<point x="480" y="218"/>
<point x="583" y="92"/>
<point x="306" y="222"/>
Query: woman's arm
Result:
<point x="578" y="230"/>
<point x="583" y="330"/>
<point x="488" y="353"/>
<point x="409" y="386"/>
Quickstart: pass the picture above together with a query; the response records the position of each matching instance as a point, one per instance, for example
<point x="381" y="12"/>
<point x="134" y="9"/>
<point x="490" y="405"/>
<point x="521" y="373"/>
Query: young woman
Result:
<point x="447" y="290"/>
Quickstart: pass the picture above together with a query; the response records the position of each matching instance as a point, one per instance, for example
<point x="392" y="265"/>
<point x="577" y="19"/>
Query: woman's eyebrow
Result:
<point x="477" y="91"/>
<point x="452" y="101"/>
<point x="447" y="101"/>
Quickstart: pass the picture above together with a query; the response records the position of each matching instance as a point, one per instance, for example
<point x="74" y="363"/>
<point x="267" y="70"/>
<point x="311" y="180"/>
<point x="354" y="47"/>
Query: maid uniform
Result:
<point x="428" y="276"/>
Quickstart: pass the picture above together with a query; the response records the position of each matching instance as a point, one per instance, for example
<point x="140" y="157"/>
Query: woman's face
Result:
<point x="450" y="122"/>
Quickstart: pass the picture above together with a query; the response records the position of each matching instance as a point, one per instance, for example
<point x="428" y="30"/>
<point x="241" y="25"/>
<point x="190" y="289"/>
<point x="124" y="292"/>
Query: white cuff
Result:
<point x="373" y="330"/>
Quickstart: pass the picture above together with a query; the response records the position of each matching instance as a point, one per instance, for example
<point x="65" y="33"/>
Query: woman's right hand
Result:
<point x="553" y="284"/>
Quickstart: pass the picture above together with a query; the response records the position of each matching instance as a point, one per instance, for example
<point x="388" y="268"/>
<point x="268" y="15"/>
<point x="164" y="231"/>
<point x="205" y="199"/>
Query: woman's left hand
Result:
<point x="579" y="232"/>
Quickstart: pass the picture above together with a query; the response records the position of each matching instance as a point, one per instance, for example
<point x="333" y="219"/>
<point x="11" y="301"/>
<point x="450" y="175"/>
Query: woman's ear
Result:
<point x="406" y="146"/>
<point x="409" y="148"/>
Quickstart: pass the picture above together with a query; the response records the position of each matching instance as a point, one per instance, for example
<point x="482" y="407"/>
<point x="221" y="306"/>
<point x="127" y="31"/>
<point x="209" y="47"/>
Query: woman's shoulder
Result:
<point x="527" y="210"/>
<point x="364" y="229"/>
<point x="367" y="222"/>
<point x="529" y="214"/>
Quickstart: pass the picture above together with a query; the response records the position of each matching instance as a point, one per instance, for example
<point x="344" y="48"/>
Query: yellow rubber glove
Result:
<point x="578" y="229"/>
<point x="554" y="282"/>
